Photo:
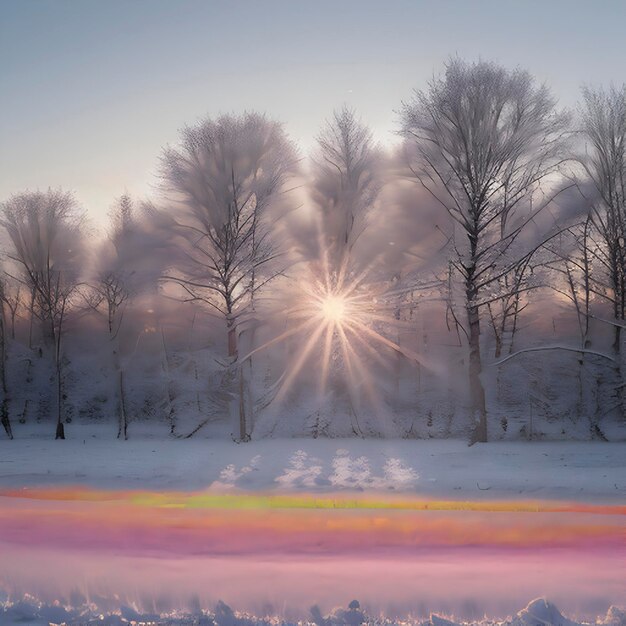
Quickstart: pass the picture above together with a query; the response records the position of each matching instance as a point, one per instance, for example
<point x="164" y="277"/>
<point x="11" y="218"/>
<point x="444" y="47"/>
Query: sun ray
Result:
<point x="281" y="337"/>
<point x="345" y="348"/>
<point x="339" y="311"/>
<point x="354" y="360"/>
<point x="410" y="354"/>
<point x="308" y="348"/>
<point x="326" y="356"/>
<point x="376" y="355"/>
<point x="375" y="399"/>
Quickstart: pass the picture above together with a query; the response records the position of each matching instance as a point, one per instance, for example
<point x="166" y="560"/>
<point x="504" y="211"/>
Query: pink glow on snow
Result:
<point x="395" y="559"/>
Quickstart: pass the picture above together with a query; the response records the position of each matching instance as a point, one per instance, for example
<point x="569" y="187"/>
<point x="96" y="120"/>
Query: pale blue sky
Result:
<point x="91" y="90"/>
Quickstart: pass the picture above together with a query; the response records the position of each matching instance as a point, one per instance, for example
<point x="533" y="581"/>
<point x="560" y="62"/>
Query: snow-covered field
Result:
<point x="112" y="585"/>
<point x="581" y="471"/>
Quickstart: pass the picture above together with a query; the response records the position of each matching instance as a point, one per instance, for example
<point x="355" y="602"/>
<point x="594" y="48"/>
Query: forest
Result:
<point x="466" y="280"/>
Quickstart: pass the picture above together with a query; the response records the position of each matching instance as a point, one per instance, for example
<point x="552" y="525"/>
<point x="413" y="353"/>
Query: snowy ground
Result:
<point x="539" y="612"/>
<point x="581" y="471"/>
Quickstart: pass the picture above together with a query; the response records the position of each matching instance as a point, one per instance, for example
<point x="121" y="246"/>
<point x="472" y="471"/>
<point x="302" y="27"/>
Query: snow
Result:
<point x="539" y="612"/>
<point x="581" y="471"/>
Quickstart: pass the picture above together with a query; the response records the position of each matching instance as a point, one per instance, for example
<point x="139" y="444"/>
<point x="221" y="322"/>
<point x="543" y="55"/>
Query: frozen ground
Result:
<point x="581" y="471"/>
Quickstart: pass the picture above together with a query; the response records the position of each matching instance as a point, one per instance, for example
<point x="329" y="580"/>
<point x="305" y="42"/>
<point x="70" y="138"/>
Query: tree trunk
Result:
<point x="243" y="431"/>
<point x="49" y="332"/>
<point x="248" y="395"/>
<point x="122" y="432"/>
<point x="619" y="371"/>
<point x="122" y="422"/>
<point x="617" y="336"/>
<point x="6" y="422"/>
<point x="477" y="392"/>
<point x="60" y="431"/>
<point x="238" y="408"/>
<point x="171" y="415"/>
<point x="498" y="351"/>
<point x="4" y="411"/>
<point x="31" y="312"/>
<point x="13" y="314"/>
<point x="232" y="337"/>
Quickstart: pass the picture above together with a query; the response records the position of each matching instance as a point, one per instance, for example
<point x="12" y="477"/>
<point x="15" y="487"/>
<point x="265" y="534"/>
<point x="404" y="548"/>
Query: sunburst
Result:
<point x="337" y="315"/>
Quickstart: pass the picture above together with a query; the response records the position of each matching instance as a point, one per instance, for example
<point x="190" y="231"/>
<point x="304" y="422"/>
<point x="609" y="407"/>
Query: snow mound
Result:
<point x="352" y="616"/>
<point x="303" y="471"/>
<point x="541" y="612"/>
<point x="436" y="620"/>
<point x="615" y="617"/>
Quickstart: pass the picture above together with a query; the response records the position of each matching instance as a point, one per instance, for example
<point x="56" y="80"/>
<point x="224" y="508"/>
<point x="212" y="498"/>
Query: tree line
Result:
<point x="492" y="198"/>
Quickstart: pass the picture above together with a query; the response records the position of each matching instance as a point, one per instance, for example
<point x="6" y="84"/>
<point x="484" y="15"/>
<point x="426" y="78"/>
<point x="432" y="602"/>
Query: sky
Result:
<point x="91" y="91"/>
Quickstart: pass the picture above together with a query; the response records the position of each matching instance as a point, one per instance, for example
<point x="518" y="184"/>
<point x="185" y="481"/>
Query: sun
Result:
<point x="340" y="318"/>
<point x="333" y="308"/>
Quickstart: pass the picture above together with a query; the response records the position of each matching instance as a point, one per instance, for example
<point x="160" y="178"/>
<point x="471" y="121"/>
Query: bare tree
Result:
<point x="504" y="312"/>
<point x="114" y="285"/>
<point x="9" y="302"/>
<point x="482" y="140"/>
<point x="347" y="178"/>
<point x="225" y="175"/>
<point x="603" y="119"/>
<point x="572" y="276"/>
<point x="571" y="259"/>
<point x="45" y="230"/>
<point x="5" y="420"/>
<point x="10" y="296"/>
<point x="114" y="278"/>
